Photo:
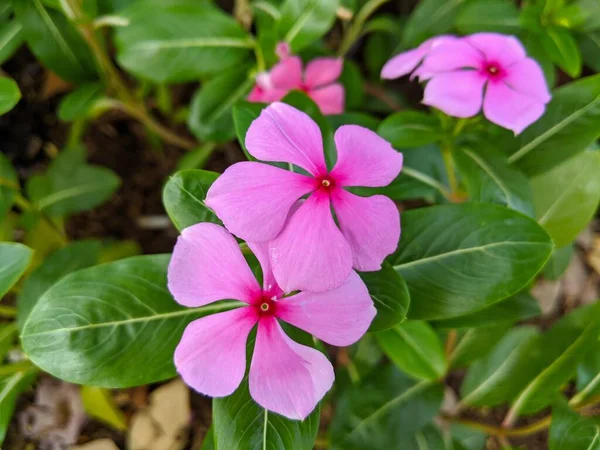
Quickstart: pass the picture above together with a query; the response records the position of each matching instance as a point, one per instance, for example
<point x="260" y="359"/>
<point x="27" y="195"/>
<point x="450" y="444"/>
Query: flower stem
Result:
<point x="450" y="172"/>
<point x="8" y="311"/>
<point x="355" y="30"/>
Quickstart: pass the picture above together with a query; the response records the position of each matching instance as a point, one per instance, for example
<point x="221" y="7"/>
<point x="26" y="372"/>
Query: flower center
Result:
<point x="325" y="183"/>
<point x="493" y="70"/>
<point x="266" y="306"/>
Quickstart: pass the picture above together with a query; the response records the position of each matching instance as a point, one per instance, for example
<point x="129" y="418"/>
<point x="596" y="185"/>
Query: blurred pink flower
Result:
<point x="483" y="69"/>
<point x="318" y="81"/>
<point x="285" y="377"/>
<point x="307" y="249"/>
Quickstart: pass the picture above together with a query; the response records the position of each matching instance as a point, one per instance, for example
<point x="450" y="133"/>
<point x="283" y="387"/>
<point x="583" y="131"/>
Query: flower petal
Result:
<point x="284" y="134"/>
<point x="371" y="225"/>
<point x="339" y="317"/>
<point x="364" y="158"/>
<point x="253" y="199"/>
<point x="311" y="254"/>
<point x="509" y="108"/>
<point x="404" y="63"/>
<point x="451" y="55"/>
<point x="322" y="71"/>
<point x="211" y="356"/>
<point x="261" y="251"/>
<point x="207" y="265"/>
<point x="286" y="377"/>
<point x="458" y="93"/>
<point x="330" y="99"/>
<point x="286" y="74"/>
<point x="498" y="48"/>
<point x="526" y="77"/>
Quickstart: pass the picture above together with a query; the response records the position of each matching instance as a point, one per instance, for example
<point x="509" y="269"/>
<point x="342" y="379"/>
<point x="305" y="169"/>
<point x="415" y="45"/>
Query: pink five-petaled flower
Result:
<point x="307" y="249"/>
<point x="285" y="377"/>
<point x="318" y="82"/>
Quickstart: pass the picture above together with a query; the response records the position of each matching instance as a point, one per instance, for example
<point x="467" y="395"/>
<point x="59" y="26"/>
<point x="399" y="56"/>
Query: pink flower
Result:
<point x="285" y="377"/>
<point x="308" y="251"/>
<point x="318" y="82"/>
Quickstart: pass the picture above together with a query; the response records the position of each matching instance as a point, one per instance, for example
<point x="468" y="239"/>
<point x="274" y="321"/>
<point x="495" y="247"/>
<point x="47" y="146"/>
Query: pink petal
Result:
<point x="253" y="199"/>
<point x="526" y="77"/>
<point x="284" y="134"/>
<point x="207" y="265"/>
<point x="371" y="225"/>
<point x="211" y="356"/>
<point x="256" y="95"/>
<point x="364" y="158"/>
<point x="322" y="71"/>
<point x="329" y="99"/>
<point x="404" y="63"/>
<point x="287" y="74"/>
<point x="498" y="48"/>
<point x="311" y="254"/>
<point x="509" y="108"/>
<point x="339" y="317"/>
<point x="286" y="377"/>
<point x="283" y="50"/>
<point x="451" y="55"/>
<point x="458" y="94"/>
<point x="261" y="251"/>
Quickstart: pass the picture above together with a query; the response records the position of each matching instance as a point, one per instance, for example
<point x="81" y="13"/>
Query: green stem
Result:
<point x="355" y="30"/>
<point x="450" y="171"/>
<point x="20" y="366"/>
<point x="8" y="311"/>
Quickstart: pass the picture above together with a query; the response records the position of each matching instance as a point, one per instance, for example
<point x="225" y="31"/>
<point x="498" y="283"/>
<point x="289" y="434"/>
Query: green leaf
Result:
<point x="458" y="259"/>
<point x="14" y="259"/>
<point x="588" y="376"/>
<point x="567" y="196"/>
<point x="8" y="336"/>
<point x="382" y="411"/>
<point x="210" y="115"/>
<point x="100" y="405"/>
<point x="488" y="178"/>
<point x="410" y="128"/>
<point x="499" y="16"/>
<point x="241" y="424"/>
<point x="500" y="376"/>
<point x="75" y="256"/>
<point x="9" y="94"/>
<point x="304" y="21"/>
<point x="589" y="44"/>
<point x="9" y="185"/>
<point x="569" y="430"/>
<point x="477" y="343"/>
<point x="390" y="296"/>
<point x="55" y="41"/>
<point x="562" y="48"/>
<point x="429" y="18"/>
<point x="179" y="41"/>
<point x="183" y="198"/>
<point x="11" y="386"/>
<point x="415" y="348"/>
<point x="118" y="326"/>
<point x="361" y="119"/>
<point x="570" y="124"/>
<point x="520" y="306"/>
<point x="11" y="37"/>
<point x="79" y="103"/>
<point x="558" y="262"/>
<point x="352" y="80"/>
<point x="70" y="185"/>
<point x="244" y="113"/>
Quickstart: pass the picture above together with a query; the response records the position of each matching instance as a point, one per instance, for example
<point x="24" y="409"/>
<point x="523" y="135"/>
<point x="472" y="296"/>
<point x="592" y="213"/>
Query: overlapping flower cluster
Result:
<point x="308" y="260"/>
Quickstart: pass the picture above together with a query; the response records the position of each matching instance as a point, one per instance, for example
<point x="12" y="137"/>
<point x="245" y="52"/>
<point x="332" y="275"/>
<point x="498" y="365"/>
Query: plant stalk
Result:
<point x="355" y="30"/>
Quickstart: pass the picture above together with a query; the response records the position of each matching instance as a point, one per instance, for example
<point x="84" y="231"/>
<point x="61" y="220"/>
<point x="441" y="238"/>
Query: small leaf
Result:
<point x="11" y="37"/>
<point x="9" y="185"/>
<point x="588" y="376"/>
<point x="244" y="113"/>
<point x="78" y="104"/>
<point x="409" y="128"/>
<point x="569" y="430"/>
<point x="304" y="21"/>
<point x="14" y="259"/>
<point x="8" y="337"/>
<point x="562" y="48"/>
<point x="11" y="387"/>
<point x="415" y="348"/>
<point x="476" y="343"/>
<point x="589" y="44"/>
<point x="558" y="262"/>
<point x="9" y="94"/>
<point x="99" y="404"/>
<point x="499" y="16"/>
<point x="183" y="198"/>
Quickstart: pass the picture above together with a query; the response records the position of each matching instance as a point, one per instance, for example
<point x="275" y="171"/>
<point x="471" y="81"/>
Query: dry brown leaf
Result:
<point x="53" y="85"/>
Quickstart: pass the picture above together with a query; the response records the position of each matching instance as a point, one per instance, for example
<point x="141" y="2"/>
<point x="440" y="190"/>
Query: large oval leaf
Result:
<point x="113" y="325"/>
<point x="304" y="21"/>
<point x="179" y="41"/>
<point x="9" y="94"/>
<point x="429" y="18"/>
<point x="571" y="431"/>
<point x="458" y="259"/>
<point x="14" y="259"/>
<point x="500" y="16"/>
<point x="11" y="36"/>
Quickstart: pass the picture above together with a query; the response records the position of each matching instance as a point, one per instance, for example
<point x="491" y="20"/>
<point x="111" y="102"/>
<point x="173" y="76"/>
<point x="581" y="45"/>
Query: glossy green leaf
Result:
<point x="79" y="103"/>
<point x="476" y="343"/>
<point x="9" y="185"/>
<point x="70" y="185"/>
<point x="410" y="128"/>
<point x="520" y="306"/>
<point x="558" y="262"/>
<point x="11" y="38"/>
<point x="499" y="16"/>
<point x="588" y="376"/>
<point x="183" y="198"/>
<point x="571" y="431"/>
<point x="55" y="41"/>
<point x="114" y="320"/>
<point x="390" y="297"/>
<point x="430" y="18"/>
<point x="383" y="410"/>
<point x="244" y="113"/>
<point x="458" y="259"/>
<point x="14" y="259"/>
<point x="352" y="80"/>
<point x="9" y="94"/>
<point x="210" y="115"/>
<point x="179" y="41"/>
<point x="500" y="376"/>
<point x="570" y="124"/>
<point x="75" y="256"/>
<point x="415" y="348"/>
<point x="488" y="178"/>
<point x="304" y="21"/>
<point x="361" y="119"/>
<point x="11" y="386"/>
<point x="241" y="424"/>
<point x="567" y="196"/>
<point x="589" y="44"/>
<point x="562" y="48"/>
